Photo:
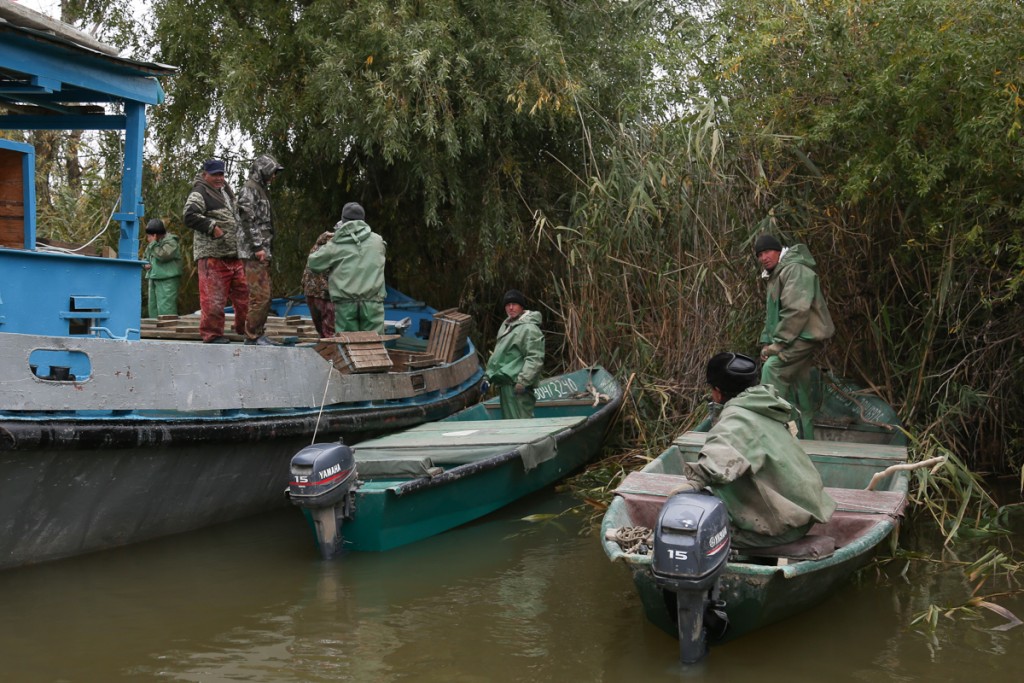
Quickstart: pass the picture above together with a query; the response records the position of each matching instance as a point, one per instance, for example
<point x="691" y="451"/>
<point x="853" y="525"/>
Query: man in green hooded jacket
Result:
<point x="163" y="269"/>
<point x="355" y="257"/>
<point x="754" y="464"/>
<point x="797" y="323"/>
<point x="518" y="358"/>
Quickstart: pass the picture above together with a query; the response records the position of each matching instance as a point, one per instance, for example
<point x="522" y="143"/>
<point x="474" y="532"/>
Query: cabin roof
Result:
<point x="49" y="68"/>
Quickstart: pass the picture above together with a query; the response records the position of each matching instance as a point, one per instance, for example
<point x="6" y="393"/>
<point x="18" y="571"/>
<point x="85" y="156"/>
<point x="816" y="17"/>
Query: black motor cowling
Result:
<point x="323" y="482"/>
<point x="691" y="547"/>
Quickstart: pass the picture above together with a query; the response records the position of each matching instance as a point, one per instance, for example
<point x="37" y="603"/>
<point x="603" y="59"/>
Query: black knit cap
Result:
<point x="731" y="372"/>
<point x="352" y="211"/>
<point x="155" y="227"/>
<point x="767" y="243"/>
<point x="513" y="296"/>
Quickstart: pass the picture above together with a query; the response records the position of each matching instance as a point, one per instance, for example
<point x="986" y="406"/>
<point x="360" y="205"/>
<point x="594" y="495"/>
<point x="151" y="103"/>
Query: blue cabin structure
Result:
<point x="53" y="77"/>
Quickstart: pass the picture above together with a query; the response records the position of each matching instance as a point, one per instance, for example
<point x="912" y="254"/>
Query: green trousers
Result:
<point x="359" y="316"/>
<point x="790" y="374"/>
<point x="163" y="296"/>
<point x="514" y="407"/>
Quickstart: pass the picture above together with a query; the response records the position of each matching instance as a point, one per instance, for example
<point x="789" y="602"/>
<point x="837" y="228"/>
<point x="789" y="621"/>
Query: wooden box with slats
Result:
<point x="449" y="334"/>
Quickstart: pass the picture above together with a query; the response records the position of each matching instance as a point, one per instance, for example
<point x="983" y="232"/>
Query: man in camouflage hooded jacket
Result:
<point x="211" y="212"/>
<point x="255" y="238"/>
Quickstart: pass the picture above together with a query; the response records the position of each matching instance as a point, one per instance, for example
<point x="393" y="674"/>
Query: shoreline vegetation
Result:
<point x="615" y="161"/>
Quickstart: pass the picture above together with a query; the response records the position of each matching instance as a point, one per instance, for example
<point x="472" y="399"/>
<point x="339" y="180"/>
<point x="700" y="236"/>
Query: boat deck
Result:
<point x="426" y="450"/>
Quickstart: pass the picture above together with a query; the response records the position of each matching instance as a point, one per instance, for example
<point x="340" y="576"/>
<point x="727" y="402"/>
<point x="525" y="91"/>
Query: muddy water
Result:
<point x="501" y="600"/>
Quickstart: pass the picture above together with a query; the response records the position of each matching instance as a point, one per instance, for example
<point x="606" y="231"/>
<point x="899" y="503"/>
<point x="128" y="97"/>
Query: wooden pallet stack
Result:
<point x="186" y="327"/>
<point x="449" y="334"/>
<point x="357" y="351"/>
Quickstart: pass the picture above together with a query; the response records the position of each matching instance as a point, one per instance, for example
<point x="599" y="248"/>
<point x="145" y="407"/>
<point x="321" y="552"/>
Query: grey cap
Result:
<point x="352" y="211"/>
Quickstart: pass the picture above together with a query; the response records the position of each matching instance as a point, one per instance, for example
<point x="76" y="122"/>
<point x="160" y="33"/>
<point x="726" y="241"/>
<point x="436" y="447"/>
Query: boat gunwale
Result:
<point x="606" y="410"/>
<point x="864" y="543"/>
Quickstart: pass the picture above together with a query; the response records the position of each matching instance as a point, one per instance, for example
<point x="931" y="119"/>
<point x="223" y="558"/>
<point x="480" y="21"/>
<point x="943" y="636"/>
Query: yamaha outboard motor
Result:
<point x="323" y="484"/>
<point x="691" y="546"/>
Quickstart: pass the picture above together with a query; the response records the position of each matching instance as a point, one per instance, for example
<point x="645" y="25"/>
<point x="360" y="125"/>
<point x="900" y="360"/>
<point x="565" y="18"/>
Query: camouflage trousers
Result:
<point x="221" y="280"/>
<point x="163" y="296"/>
<point x="257" y="277"/>
<point x="322" y="312"/>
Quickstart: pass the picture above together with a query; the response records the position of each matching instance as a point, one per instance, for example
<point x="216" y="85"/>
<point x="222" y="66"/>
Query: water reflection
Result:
<point x="251" y="601"/>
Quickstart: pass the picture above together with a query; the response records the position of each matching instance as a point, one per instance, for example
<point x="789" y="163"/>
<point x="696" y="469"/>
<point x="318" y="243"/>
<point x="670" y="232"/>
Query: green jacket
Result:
<point x="355" y="257"/>
<point x="518" y="355"/>
<point x="794" y="305"/>
<point x="757" y="467"/>
<point x="164" y="258"/>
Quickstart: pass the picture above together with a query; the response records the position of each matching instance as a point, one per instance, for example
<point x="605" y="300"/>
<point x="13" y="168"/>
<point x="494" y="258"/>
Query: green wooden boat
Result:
<point x="858" y="436"/>
<point x="410" y="485"/>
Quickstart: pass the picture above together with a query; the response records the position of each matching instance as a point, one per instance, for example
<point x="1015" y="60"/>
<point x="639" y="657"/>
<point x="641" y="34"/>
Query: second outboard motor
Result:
<point x="323" y="483"/>
<point x="691" y="546"/>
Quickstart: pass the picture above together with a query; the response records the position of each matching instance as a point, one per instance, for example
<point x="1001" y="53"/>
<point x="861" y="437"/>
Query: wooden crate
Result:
<point x="357" y="351"/>
<point x="449" y="334"/>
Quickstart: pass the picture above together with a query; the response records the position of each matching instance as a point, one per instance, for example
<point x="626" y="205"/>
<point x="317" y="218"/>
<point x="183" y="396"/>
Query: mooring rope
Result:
<point x="634" y="540"/>
<point x="330" y="369"/>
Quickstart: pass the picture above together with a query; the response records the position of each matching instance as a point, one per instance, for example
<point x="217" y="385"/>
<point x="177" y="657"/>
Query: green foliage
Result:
<point x="615" y="159"/>
<point x="888" y="136"/>
<point x="444" y="119"/>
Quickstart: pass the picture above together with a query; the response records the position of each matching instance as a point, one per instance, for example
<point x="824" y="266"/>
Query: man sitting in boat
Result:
<point x="752" y="461"/>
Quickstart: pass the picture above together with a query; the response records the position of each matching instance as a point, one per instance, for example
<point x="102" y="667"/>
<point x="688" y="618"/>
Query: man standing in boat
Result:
<point x="518" y="358"/>
<point x="753" y="463"/>
<point x="355" y="257"/>
<point x="211" y="212"/>
<point x="797" y="323"/>
<point x="255" y="238"/>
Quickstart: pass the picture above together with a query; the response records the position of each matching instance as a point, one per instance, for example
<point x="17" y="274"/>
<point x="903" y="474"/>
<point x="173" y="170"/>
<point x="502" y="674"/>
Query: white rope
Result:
<point x="330" y="369"/>
<point x="48" y="247"/>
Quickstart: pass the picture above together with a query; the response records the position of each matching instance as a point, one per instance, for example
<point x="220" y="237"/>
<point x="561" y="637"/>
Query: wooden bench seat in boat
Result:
<point x="428" y="449"/>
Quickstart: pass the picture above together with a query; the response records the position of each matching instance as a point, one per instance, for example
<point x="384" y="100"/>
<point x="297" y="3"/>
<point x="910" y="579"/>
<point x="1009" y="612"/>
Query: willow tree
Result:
<point x="447" y="120"/>
<point x="887" y="134"/>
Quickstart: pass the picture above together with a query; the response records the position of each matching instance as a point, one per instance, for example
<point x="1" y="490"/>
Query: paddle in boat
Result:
<point x="115" y="430"/>
<point x="409" y="485"/>
<point x="689" y="581"/>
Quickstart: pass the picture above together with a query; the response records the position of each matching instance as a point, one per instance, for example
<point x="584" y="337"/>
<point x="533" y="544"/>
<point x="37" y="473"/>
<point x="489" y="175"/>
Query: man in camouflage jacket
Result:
<point x="255" y="237"/>
<point x="210" y="211"/>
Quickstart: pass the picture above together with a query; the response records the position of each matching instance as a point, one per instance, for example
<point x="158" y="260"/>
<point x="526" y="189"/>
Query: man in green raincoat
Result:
<point x="797" y="323"/>
<point x="518" y="358"/>
<point x="163" y="269"/>
<point x="355" y="257"/>
<point x="753" y="463"/>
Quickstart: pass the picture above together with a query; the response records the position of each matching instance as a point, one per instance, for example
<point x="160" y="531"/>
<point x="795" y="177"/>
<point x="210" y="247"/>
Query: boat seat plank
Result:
<point x="871" y="502"/>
